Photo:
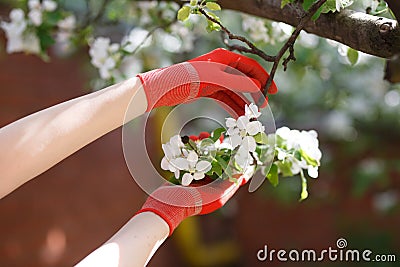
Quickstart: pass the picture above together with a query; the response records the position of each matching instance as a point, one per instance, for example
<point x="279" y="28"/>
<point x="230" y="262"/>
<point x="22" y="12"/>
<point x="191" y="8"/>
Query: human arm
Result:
<point x="37" y="142"/>
<point x="136" y="242"/>
<point x="133" y="245"/>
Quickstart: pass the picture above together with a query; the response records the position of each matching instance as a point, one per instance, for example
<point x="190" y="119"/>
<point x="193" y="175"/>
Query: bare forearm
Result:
<point x="35" y="143"/>
<point x="133" y="245"/>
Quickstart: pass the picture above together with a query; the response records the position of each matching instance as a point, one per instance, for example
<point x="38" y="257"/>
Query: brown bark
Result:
<point x="363" y="32"/>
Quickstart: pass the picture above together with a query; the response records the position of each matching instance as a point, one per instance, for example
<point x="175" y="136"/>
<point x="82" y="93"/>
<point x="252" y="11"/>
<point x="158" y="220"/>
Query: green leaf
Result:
<point x="285" y="168"/>
<point x="216" y="168"/>
<point x="304" y="192"/>
<point x="183" y="13"/>
<point x="329" y="6"/>
<point x="213" y="6"/>
<point x="317" y="14"/>
<point x="261" y="138"/>
<point x="216" y="134"/>
<point x="222" y="162"/>
<point x="285" y="2"/>
<point x="273" y="175"/>
<point x="193" y="2"/>
<point x="308" y="159"/>
<point x="45" y="38"/>
<point x="211" y="26"/>
<point x="352" y="56"/>
<point x="307" y="4"/>
<point x="52" y="18"/>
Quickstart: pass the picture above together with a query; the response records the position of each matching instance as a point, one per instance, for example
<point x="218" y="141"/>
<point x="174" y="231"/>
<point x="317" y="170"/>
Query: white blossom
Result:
<point x="14" y="30"/>
<point x="185" y="35"/>
<point x="18" y="38"/>
<point x="230" y="122"/>
<point x="135" y="38"/>
<point x="31" y="43"/>
<point x="49" y="5"/>
<point x="35" y="16"/>
<point x="104" y="56"/>
<point x="34" y="4"/>
<point x="254" y="127"/>
<point x="177" y="159"/>
<point x="304" y="141"/>
<point x="68" y="23"/>
<point x="256" y="28"/>
<point x="251" y="111"/>
<point x="65" y="33"/>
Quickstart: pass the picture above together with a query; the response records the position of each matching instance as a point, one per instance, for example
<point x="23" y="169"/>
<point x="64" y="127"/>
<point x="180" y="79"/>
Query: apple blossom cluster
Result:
<point x="243" y="147"/>
<point x="306" y="143"/>
<point x="32" y="32"/>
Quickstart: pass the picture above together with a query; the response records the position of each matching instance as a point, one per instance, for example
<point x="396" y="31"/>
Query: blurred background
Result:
<point x="68" y="211"/>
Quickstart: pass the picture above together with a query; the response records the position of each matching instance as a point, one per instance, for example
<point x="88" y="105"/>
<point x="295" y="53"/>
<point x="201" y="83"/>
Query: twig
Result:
<point x="289" y="45"/>
<point x="252" y="48"/>
<point x="151" y="32"/>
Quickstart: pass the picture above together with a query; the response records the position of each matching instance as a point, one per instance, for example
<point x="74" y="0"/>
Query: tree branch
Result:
<point x="369" y="34"/>
<point x="289" y="45"/>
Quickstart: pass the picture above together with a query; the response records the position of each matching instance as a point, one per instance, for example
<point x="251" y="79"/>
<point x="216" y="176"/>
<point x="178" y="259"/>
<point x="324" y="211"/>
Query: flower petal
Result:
<point x="176" y="140"/>
<point x="234" y="140"/>
<point x="180" y="163"/>
<point x="254" y="127"/>
<point x="232" y="131"/>
<point x="242" y="122"/>
<point x="203" y="166"/>
<point x="312" y="171"/>
<point x="230" y="122"/>
<point x="251" y="111"/>
<point x="164" y="164"/>
<point x="249" y="143"/>
<point x="198" y="175"/>
<point x="177" y="173"/>
<point x="192" y="157"/>
<point x="187" y="179"/>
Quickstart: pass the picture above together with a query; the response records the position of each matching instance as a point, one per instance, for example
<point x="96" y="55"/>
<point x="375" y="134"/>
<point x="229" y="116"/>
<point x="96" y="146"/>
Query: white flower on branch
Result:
<point x="173" y="150"/>
<point x="256" y="28"/>
<point x="245" y="125"/>
<point x="36" y="10"/>
<point x="19" y="39"/>
<point x="35" y="16"/>
<point x="196" y="168"/>
<point x="14" y="30"/>
<point x="49" y="5"/>
<point x="136" y="37"/>
<point x="304" y="142"/>
<point x="243" y="151"/>
<point x="65" y="33"/>
<point x="104" y="56"/>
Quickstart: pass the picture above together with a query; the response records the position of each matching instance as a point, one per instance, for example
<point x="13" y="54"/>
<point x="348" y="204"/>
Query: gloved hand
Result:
<point x="217" y="74"/>
<point x="174" y="203"/>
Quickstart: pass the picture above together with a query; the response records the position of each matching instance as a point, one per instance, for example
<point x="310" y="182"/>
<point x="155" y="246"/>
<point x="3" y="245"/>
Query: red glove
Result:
<point x="217" y="74"/>
<point x="174" y="203"/>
